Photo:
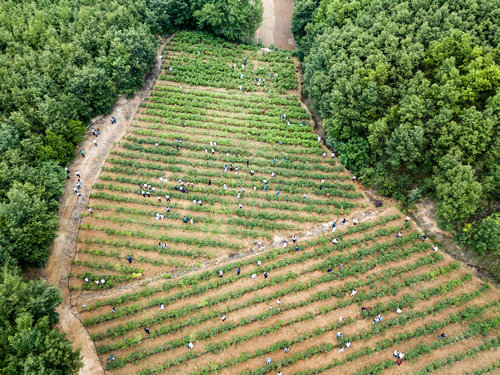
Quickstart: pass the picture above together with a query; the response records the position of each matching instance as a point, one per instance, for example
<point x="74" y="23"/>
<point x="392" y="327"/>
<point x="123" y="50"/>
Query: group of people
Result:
<point x="346" y="346"/>
<point x="399" y="356"/>
<point x="185" y="220"/>
<point x="253" y="276"/>
<point x="78" y="184"/>
<point x="183" y="187"/>
<point x="324" y="153"/>
<point x="97" y="281"/>
<point x="146" y="189"/>
<point x="97" y="133"/>
<point x="269" y="360"/>
<point x="334" y="225"/>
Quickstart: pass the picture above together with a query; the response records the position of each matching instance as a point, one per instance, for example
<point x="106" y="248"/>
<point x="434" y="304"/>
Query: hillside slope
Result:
<point x="220" y="107"/>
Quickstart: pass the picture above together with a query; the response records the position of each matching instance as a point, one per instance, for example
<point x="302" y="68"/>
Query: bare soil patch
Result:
<point x="275" y="28"/>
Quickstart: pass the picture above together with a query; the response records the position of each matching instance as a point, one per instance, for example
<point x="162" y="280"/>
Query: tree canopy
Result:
<point x="232" y="19"/>
<point x="28" y="345"/>
<point x="408" y="91"/>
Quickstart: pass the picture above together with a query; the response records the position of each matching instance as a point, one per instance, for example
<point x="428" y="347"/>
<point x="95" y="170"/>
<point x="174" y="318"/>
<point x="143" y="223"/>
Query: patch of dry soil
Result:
<point x="275" y="28"/>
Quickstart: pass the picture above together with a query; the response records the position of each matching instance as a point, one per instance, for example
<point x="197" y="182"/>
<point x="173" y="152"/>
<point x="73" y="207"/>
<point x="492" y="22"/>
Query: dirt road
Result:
<point x="71" y="206"/>
<point x="275" y="28"/>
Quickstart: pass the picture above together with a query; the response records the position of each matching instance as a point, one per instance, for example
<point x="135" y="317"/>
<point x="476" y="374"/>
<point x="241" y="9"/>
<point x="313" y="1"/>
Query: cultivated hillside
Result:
<point x="226" y="143"/>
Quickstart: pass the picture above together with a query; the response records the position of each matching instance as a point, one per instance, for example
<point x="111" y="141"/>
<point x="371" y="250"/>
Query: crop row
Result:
<point x="214" y="173"/>
<point x="209" y="168"/>
<point x="255" y="108"/>
<point x="194" y="42"/>
<point x="237" y="99"/>
<point x="439" y="364"/>
<point x="193" y="254"/>
<point x="464" y="315"/>
<point x="438" y="306"/>
<point x="217" y="72"/>
<point x="214" y="229"/>
<point x="111" y="279"/>
<point x="298" y="287"/>
<point x="481" y="327"/>
<point x="229" y="127"/>
<point x="349" y="270"/>
<point x="486" y="369"/>
<point x="194" y="280"/>
<point x="356" y="269"/>
<point x="259" y="352"/>
<point x="138" y="145"/>
<point x="246" y="223"/>
<point x="161" y="237"/>
<point x="213" y="196"/>
<point x="391" y="289"/>
<point x="310" y="154"/>
<point x="217" y="111"/>
<point x="226" y="134"/>
<point x="248" y="215"/>
<point x="292" y="187"/>
<point x="256" y="204"/>
<point x="139" y="259"/>
<point x="298" y="118"/>
<point x="290" y="168"/>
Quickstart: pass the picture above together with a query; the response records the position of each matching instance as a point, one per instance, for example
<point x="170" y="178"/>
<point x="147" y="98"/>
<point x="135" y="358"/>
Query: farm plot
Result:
<point x="299" y="305"/>
<point x="234" y="291"/>
<point x="202" y="174"/>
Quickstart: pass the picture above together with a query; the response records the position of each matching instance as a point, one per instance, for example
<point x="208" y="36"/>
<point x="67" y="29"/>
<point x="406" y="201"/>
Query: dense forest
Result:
<point x="408" y="94"/>
<point x="63" y="62"/>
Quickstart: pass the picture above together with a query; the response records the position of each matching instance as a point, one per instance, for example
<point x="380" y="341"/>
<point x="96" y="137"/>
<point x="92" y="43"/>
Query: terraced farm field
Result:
<point x="202" y="194"/>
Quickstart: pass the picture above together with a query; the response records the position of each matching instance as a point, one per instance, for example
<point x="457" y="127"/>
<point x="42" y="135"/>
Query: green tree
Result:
<point x="415" y="81"/>
<point x="484" y="237"/>
<point x="303" y="14"/>
<point x="354" y="153"/>
<point x="91" y="91"/>
<point x="27" y="227"/>
<point x="55" y="148"/>
<point x="405" y="148"/>
<point x="232" y="19"/>
<point x="164" y="16"/>
<point x="458" y="192"/>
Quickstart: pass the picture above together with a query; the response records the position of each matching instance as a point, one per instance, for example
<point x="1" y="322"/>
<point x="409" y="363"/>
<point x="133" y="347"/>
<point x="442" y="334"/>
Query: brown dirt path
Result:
<point x="275" y="27"/>
<point x="71" y="206"/>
